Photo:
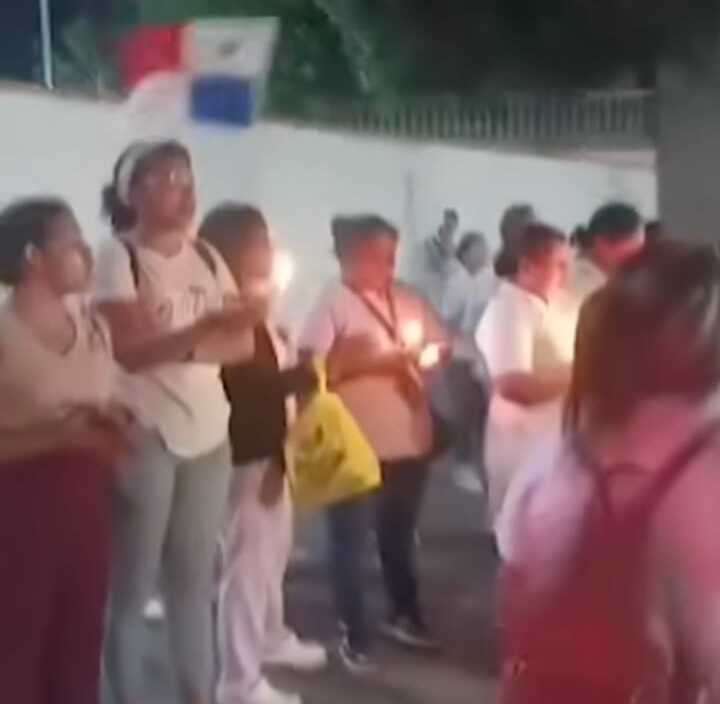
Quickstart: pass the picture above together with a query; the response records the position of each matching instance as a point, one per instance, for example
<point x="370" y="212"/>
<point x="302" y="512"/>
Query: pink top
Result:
<point x="685" y="532"/>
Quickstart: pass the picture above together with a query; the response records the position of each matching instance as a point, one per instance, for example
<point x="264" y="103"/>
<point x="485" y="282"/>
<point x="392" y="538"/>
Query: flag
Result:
<point x="213" y="70"/>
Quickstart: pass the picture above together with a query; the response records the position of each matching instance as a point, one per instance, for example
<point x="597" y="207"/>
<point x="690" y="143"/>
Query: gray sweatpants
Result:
<point x="167" y="511"/>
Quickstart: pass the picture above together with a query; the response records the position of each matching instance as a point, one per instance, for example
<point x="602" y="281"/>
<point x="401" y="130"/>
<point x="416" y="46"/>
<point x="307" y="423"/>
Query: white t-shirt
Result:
<point x="395" y="428"/>
<point x="185" y="400"/>
<point x="517" y="333"/>
<point x="39" y="385"/>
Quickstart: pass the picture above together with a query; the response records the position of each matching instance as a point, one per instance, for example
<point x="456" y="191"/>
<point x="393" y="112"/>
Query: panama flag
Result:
<point x="212" y="70"/>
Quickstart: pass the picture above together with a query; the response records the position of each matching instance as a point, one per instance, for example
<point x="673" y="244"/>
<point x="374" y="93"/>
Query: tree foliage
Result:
<point x="340" y="49"/>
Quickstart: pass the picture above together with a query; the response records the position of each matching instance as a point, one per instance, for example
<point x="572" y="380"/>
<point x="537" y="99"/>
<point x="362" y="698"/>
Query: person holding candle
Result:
<point x="176" y="313"/>
<point x="376" y="333"/>
<point x="524" y="353"/>
<point x="257" y="535"/>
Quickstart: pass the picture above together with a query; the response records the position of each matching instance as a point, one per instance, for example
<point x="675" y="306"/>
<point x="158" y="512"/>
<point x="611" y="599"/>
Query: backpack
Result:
<point x="582" y="636"/>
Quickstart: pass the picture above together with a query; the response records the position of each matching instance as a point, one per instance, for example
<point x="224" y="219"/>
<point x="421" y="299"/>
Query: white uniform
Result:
<point x="517" y="334"/>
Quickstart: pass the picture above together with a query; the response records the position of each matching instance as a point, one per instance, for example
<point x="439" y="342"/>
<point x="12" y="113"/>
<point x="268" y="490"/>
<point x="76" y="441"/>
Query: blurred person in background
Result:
<point x="468" y="286"/>
<point x="614" y="235"/>
<point x="436" y="259"/>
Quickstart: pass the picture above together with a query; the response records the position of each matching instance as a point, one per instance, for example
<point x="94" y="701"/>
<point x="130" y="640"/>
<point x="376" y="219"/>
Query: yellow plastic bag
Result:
<point x="329" y="459"/>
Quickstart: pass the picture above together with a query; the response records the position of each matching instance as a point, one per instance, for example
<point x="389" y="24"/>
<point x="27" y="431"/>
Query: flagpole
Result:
<point x="46" y="38"/>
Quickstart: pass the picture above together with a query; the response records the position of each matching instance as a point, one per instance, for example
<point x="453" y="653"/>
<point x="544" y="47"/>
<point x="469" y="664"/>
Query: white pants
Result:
<point x="256" y="544"/>
<point x="512" y="434"/>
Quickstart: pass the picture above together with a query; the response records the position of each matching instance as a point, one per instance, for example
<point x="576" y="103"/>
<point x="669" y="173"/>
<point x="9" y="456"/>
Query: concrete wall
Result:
<point x="301" y="177"/>
<point x="689" y="149"/>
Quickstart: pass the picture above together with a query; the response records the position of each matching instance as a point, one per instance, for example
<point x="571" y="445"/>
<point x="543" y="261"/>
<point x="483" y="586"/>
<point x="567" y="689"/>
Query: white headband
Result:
<point x="126" y="170"/>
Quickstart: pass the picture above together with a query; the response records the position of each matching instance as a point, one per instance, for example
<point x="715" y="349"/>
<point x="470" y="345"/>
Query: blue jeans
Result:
<point x="167" y="511"/>
<point x="393" y="511"/>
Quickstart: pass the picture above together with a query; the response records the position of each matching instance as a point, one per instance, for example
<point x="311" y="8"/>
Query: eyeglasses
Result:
<point x="174" y="178"/>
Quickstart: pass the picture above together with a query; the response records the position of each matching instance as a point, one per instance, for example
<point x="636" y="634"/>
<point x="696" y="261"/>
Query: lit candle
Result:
<point x="412" y="334"/>
<point x="429" y="356"/>
<point x="283" y="270"/>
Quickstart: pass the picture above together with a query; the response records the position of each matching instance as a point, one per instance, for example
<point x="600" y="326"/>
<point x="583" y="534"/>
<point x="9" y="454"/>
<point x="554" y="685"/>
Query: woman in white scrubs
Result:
<point x="526" y="355"/>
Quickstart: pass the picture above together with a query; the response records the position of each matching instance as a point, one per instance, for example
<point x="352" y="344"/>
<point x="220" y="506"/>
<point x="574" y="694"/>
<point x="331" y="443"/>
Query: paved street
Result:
<point x="457" y="572"/>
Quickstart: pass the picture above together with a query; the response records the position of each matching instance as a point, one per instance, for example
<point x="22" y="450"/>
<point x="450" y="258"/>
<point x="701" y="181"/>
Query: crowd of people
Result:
<point x="146" y="397"/>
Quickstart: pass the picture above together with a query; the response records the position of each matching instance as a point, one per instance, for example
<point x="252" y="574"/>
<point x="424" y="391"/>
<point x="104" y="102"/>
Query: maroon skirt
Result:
<point x="54" y="555"/>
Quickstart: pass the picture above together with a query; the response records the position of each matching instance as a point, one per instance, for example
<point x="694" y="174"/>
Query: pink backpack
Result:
<point x="582" y="636"/>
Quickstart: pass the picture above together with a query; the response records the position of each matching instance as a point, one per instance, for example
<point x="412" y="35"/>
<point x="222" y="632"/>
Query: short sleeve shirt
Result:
<point x="38" y="385"/>
<point x="185" y="400"/>
<point x="395" y="428"/>
<point x="517" y="334"/>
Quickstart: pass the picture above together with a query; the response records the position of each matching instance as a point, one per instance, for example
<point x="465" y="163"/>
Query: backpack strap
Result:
<point x="202" y="248"/>
<point x="133" y="261"/>
<point x="205" y="253"/>
<point x="679" y="461"/>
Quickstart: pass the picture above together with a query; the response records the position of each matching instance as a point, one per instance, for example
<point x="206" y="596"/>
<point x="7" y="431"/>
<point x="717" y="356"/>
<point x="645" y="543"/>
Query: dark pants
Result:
<point x="54" y="546"/>
<point x="393" y="511"/>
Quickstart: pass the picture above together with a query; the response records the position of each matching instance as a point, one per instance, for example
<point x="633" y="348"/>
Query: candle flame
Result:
<point x="283" y="270"/>
<point x="429" y="356"/>
<point x="412" y="333"/>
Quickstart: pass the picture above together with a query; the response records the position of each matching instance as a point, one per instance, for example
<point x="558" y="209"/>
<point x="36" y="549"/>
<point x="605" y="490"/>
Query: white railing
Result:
<point x="617" y="118"/>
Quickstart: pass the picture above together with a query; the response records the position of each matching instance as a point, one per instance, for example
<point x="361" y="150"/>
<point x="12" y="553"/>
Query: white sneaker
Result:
<point x="467" y="479"/>
<point x="154" y="611"/>
<point x="296" y="654"/>
<point x="265" y="693"/>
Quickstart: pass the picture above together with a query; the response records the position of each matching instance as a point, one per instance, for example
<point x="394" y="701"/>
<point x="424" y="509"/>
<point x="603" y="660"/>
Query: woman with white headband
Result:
<point x="173" y="307"/>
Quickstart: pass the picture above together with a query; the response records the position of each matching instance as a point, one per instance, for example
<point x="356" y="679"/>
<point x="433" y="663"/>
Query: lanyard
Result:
<point x="390" y="326"/>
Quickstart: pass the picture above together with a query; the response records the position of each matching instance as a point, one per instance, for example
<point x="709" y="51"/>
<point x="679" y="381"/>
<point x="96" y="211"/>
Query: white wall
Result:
<point x="301" y="177"/>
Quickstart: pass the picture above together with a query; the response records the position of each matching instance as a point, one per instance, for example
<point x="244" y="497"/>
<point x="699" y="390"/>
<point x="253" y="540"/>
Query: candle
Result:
<point x="283" y="270"/>
<point x="412" y="334"/>
<point x="429" y="356"/>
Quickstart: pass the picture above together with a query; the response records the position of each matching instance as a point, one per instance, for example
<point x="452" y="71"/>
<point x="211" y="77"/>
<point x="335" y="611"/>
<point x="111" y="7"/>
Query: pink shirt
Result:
<point x="685" y="536"/>
<point x="395" y="428"/>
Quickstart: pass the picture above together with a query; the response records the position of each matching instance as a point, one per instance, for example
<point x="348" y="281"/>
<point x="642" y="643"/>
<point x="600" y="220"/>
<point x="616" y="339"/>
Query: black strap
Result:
<point x="202" y="249"/>
<point x="205" y="253"/>
<point x="390" y="326"/>
<point x="134" y="262"/>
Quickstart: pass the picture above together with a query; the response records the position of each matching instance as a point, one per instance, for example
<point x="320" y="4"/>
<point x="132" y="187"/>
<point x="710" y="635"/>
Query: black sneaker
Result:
<point x="410" y="633"/>
<point x="357" y="662"/>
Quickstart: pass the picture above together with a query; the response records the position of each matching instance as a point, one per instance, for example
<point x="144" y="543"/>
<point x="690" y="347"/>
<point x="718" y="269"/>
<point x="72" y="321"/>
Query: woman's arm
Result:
<point x="533" y="388"/>
<point x="25" y="444"/>
<point x="138" y="344"/>
<point x="90" y="430"/>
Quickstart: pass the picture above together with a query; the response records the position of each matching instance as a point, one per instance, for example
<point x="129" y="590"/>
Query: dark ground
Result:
<point x="457" y="569"/>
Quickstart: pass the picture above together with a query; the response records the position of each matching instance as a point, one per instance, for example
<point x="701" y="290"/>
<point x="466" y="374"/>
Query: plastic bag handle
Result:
<point x="321" y="371"/>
